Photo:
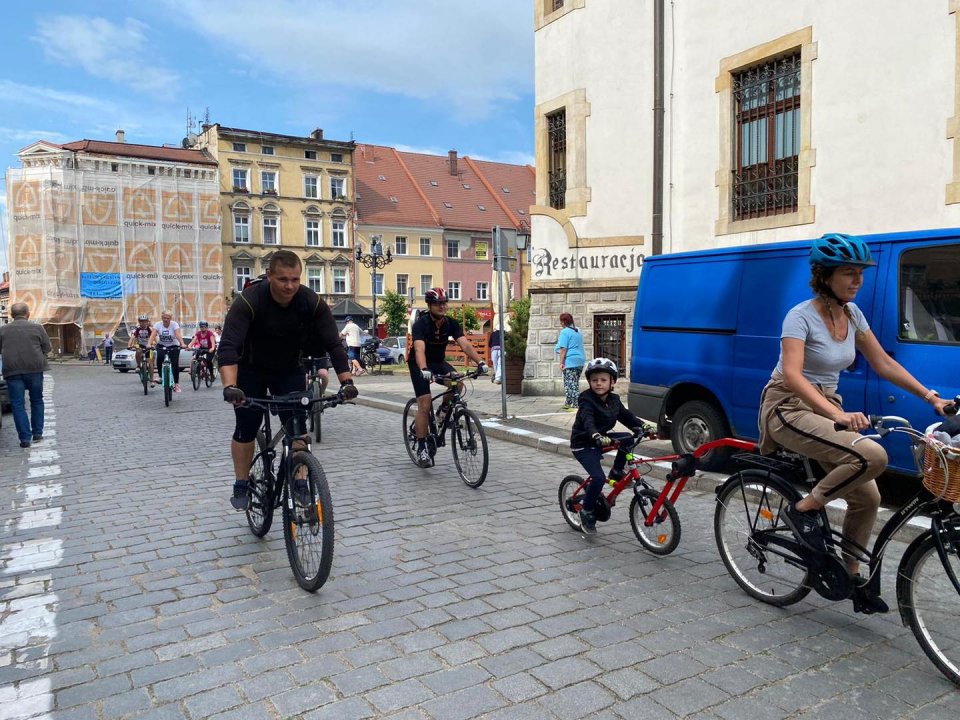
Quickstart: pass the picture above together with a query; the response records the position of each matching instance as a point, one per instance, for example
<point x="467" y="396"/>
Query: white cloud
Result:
<point x="118" y="53"/>
<point x="471" y="56"/>
<point x="49" y="98"/>
<point x="28" y="136"/>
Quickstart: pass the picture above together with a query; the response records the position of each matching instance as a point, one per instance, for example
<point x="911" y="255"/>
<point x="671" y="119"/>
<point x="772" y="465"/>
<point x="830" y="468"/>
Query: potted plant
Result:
<point x="515" y="346"/>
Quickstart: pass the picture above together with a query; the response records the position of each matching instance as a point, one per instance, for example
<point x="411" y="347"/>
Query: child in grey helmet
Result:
<point x="599" y="411"/>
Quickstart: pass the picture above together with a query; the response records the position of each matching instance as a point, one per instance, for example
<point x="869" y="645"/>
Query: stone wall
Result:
<point x="542" y="372"/>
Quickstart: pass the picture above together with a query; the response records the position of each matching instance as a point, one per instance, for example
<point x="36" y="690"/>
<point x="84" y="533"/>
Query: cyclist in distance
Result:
<point x="140" y="339"/>
<point x="168" y="339"/>
<point x="800" y="404"/>
<point x="430" y="332"/>
<point x="271" y="326"/>
<point x="598" y="411"/>
<point x="205" y="340"/>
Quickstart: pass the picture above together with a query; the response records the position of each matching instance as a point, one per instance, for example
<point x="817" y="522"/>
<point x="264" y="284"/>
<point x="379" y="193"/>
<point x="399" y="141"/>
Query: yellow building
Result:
<point x="285" y="192"/>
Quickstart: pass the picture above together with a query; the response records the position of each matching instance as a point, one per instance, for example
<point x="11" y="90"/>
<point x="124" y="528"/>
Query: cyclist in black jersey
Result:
<point x="430" y="333"/>
<point x="139" y="337"/>
<point x="271" y="326"/>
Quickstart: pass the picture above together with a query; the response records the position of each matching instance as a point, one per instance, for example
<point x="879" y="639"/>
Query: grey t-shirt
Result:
<point x="823" y="357"/>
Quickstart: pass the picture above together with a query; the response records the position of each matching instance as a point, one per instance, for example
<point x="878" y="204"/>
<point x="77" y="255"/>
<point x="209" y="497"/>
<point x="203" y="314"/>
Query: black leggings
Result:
<point x="174" y="352"/>
<point x="256" y="383"/>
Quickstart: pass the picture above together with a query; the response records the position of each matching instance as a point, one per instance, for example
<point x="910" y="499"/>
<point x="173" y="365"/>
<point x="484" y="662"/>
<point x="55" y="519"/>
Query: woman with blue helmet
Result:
<point x="800" y="404"/>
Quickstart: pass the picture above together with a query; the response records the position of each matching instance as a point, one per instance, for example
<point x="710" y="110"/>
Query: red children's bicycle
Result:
<point x="653" y="517"/>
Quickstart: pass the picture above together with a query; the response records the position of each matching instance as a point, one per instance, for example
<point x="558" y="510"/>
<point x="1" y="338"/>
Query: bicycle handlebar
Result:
<point x="455" y="376"/>
<point x="295" y="400"/>
<point x="877" y="422"/>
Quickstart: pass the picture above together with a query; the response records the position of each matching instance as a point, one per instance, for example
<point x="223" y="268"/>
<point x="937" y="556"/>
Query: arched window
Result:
<point x="241" y="222"/>
<point x="312" y="226"/>
<point x="271" y="224"/>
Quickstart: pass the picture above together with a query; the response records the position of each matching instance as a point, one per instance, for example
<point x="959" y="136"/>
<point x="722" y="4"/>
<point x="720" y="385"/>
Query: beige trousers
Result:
<point x="787" y="421"/>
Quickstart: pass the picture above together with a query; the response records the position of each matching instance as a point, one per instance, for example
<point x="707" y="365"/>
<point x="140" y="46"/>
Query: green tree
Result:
<point x="515" y="343"/>
<point x="395" y="312"/>
<point x="466" y="316"/>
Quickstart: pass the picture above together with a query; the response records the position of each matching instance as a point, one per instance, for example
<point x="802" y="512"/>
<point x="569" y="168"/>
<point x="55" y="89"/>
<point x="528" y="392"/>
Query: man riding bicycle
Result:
<point x="139" y="338"/>
<point x="206" y="343"/>
<point x="270" y="327"/>
<point x="431" y="332"/>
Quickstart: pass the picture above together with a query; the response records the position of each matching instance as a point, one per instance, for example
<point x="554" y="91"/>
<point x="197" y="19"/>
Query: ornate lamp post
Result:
<point x="375" y="260"/>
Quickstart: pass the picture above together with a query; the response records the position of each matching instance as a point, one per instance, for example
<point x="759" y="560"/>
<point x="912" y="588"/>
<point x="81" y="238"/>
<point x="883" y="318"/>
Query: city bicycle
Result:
<point x="369" y="356"/>
<point x="467" y="438"/>
<point x="201" y="369"/>
<point x="653" y="515"/>
<point x="166" y="378"/>
<point x="315" y="387"/>
<point x="295" y="481"/>
<point x="768" y="561"/>
<point x="144" y="369"/>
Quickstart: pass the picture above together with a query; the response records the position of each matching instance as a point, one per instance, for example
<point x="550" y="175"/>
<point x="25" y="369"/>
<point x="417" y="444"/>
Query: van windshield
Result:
<point x="930" y="294"/>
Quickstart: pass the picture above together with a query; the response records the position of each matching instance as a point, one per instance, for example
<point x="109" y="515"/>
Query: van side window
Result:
<point x="930" y="294"/>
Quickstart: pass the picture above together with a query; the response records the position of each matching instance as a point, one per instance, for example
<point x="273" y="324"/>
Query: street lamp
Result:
<point x="375" y="260"/>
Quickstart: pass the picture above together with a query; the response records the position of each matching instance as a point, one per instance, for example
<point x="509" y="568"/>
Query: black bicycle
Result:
<point x="369" y="355"/>
<point x="467" y="438"/>
<point x="297" y="483"/>
<point x="312" y="367"/>
<point x="767" y="560"/>
<point x="201" y="369"/>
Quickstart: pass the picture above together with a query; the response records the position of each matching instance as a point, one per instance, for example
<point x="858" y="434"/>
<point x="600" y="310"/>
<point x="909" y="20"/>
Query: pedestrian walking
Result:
<point x="24" y="346"/>
<point x="572" y="358"/>
<point x="107" y="345"/>
<point x="351" y="333"/>
<point x="495" y="356"/>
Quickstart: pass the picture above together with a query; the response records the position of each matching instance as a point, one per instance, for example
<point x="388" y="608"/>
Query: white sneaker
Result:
<point x="423" y="457"/>
<point x="176" y="388"/>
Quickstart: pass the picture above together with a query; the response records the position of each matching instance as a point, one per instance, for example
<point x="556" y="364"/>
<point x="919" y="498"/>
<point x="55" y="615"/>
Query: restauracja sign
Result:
<point x="546" y="263"/>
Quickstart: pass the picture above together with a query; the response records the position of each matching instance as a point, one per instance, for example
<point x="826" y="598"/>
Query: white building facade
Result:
<point x="781" y="120"/>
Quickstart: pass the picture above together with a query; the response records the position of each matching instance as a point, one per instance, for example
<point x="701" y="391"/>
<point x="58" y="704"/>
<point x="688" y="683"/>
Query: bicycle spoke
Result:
<point x="308" y="522"/>
<point x="469" y="447"/>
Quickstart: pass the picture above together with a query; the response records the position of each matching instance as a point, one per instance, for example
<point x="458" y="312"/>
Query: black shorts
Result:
<point x="256" y="383"/>
<point x="420" y="386"/>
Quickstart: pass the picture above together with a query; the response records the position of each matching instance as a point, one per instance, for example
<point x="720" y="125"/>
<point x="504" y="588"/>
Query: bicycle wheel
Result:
<point x="755" y="544"/>
<point x="195" y="374"/>
<point x="145" y="377"/>
<point x="167" y="385"/>
<point x="930" y="603"/>
<point x="409" y="431"/>
<point x="260" y="511"/>
<point x="207" y="375"/>
<point x="308" y="523"/>
<point x="570" y="500"/>
<point x="469" y="447"/>
<point x="316" y="413"/>
<point x="663" y="536"/>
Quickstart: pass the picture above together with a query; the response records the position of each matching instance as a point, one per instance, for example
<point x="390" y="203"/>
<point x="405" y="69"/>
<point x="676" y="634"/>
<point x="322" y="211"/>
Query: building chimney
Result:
<point x="120" y="137"/>
<point x="317" y="134"/>
<point x="453" y="161"/>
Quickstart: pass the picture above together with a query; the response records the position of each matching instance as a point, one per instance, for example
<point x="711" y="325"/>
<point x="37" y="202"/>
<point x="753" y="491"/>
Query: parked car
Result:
<point x="393" y="350"/>
<point x="126" y="360"/>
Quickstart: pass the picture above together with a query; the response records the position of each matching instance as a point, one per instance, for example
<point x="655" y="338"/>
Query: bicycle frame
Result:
<point x="683" y="468"/>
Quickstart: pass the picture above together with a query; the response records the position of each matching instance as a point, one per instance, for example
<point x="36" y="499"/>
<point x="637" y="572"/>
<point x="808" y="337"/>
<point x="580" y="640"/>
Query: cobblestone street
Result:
<point x="130" y="589"/>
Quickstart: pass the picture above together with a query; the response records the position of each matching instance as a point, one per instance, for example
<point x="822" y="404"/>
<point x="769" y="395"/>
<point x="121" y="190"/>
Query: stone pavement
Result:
<point x="129" y="589"/>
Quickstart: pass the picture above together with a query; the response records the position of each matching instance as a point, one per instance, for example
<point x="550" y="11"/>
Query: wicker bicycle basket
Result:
<point x="943" y="480"/>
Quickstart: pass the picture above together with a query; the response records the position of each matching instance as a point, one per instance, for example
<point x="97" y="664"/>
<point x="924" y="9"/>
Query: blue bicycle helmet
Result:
<point x="836" y="249"/>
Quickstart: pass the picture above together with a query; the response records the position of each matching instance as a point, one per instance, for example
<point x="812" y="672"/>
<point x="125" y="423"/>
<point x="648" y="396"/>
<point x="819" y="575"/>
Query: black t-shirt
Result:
<point x="261" y="333"/>
<point x="434" y="335"/>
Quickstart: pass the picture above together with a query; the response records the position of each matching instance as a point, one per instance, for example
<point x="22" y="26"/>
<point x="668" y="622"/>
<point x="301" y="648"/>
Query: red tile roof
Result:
<point x="482" y="194"/>
<point x="146" y="152"/>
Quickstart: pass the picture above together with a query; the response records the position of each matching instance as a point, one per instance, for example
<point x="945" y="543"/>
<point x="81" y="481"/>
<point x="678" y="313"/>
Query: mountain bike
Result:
<point x="767" y="560"/>
<point x="371" y="359"/>
<point x="653" y="517"/>
<point x="201" y="370"/>
<point x="166" y="378"/>
<point x="296" y="482"/>
<point x="315" y="387"/>
<point x="144" y="369"/>
<point x="467" y="438"/>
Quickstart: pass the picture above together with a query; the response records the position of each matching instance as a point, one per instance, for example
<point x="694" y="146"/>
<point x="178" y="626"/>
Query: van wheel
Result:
<point x="698" y="422"/>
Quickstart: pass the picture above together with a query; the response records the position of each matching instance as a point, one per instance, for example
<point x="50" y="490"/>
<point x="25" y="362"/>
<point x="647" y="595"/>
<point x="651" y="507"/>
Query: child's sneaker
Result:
<point x="588" y="522"/>
<point x="616" y="475"/>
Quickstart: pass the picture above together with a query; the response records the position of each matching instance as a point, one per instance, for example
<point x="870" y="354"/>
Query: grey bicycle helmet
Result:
<point x="142" y="318"/>
<point x="601" y="364"/>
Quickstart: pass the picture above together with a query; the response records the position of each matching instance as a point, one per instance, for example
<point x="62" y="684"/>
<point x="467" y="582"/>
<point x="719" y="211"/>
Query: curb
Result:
<point x="703" y="481"/>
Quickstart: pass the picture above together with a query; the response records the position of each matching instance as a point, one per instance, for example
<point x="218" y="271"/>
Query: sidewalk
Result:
<point x="540" y="423"/>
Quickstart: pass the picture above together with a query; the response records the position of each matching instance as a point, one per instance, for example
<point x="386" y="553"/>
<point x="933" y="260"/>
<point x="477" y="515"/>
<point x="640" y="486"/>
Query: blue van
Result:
<point x="706" y="333"/>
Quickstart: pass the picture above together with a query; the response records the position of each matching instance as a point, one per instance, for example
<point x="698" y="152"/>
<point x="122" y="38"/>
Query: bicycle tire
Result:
<point x="568" y="506"/>
<point x="260" y="509"/>
<point x="308" y="526"/>
<point x="663" y="536"/>
<point x="208" y="375"/>
<point x="409" y="431"/>
<point x="145" y="377"/>
<point x="469" y="443"/>
<point x="195" y="374"/>
<point x="167" y="386"/>
<point x="316" y="413"/>
<point x="929" y="604"/>
<point x="747" y="516"/>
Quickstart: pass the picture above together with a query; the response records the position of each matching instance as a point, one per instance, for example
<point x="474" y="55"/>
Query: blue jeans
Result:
<point x="590" y="458"/>
<point x="19" y="385"/>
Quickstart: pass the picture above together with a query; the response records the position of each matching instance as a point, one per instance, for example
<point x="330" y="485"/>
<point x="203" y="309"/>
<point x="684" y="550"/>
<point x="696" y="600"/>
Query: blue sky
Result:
<point x="422" y="75"/>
